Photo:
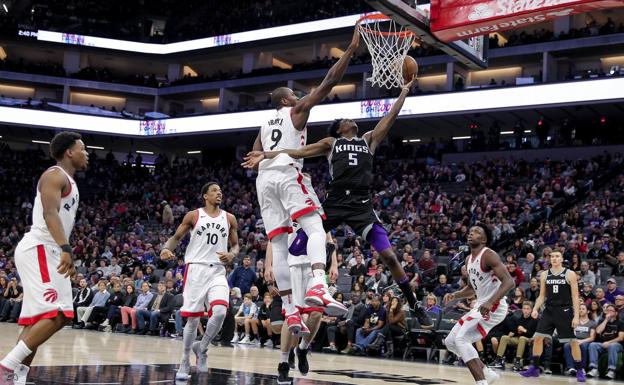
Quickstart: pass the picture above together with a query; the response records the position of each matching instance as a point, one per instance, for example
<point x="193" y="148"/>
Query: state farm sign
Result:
<point x="461" y="19"/>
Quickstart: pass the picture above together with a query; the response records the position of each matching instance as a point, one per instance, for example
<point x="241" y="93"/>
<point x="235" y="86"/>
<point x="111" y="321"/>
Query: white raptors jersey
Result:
<point x="209" y="236"/>
<point x="39" y="233"/>
<point x="485" y="284"/>
<point x="292" y="259"/>
<point x="278" y="133"/>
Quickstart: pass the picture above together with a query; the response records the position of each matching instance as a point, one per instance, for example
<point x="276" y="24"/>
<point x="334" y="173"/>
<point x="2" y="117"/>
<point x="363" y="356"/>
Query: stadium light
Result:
<point x="527" y="131"/>
<point x="144" y="152"/>
<point x="5" y="8"/>
<point x="194" y="152"/>
<point x="40" y="142"/>
<point x="95" y="147"/>
<point x="461" y="137"/>
<point x="506" y="132"/>
<point x="414" y="140"/>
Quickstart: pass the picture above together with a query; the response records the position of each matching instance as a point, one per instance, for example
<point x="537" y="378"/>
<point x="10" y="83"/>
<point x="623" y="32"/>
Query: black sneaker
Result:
<point x="282" y="370"/>
<point x="302" y="361"/>
<point x="291" y="359"/>
<point x="423" y="318"/>
<point x="498" y="363"/>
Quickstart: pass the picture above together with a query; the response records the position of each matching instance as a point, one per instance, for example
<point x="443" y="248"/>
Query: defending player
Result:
<point x="559" y="292"/>
<point x="300" y="280"/>
<point x="282" y="196"/>
<point x="205" y="283"/>
<point x="44" y="257"/>
<point x="489" y="281"/>
<point x="348" y="199"/>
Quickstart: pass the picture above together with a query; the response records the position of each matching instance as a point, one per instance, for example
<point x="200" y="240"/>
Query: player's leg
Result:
<point x="545" y="328"/>
<point x="563" y="323"/>
<point x="283" y="368"/>
<point x="41" y="283"/>
<point x="281" y="271"/>
<point x="194" y="293"/>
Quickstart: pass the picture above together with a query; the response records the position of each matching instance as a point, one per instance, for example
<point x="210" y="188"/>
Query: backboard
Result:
<point x="471" y="52"/>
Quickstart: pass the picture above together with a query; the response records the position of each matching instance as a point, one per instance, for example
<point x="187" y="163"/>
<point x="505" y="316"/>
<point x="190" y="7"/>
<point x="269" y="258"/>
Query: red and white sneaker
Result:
<point x="7" y="376"/>
<point x="318" y="296"/>
<point x="294" y="323"/>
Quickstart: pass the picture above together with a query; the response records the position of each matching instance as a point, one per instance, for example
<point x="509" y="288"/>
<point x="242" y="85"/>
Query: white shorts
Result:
<point x="45" y="290"/>
<point x="300" y="279"/>
<point x="284" y="194"/>
<point x="474" y="327"/>
<point x="205" y="286"/>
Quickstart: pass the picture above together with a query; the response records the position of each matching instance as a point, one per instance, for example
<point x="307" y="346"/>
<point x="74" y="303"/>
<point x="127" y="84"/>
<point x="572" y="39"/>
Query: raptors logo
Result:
<point x="50" y="295"/>
<point x="309" y="202"/>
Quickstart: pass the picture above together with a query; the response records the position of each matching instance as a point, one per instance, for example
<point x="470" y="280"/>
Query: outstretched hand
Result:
<point x="408" y="86"/>
<point x="355" y="41"/>
<point x="253" y="159"/>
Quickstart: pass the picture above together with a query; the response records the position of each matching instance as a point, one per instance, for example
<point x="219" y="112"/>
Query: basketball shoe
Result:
<point x="294" y="323"/>
<point x="319" y="296"/>
<point x="202" y="364"/>
<point x="7" y="376"/>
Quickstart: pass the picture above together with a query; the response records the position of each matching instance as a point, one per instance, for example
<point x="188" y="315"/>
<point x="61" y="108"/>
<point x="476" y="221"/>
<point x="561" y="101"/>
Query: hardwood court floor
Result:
<point x="88" y="357"/>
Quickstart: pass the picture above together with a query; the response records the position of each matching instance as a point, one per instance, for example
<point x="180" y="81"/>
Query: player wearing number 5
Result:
<point x="205" y="285"/>
<point x="559" y="293"/>
<point x="285" y="195"/>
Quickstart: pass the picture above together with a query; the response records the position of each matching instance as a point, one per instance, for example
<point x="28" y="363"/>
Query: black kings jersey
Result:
<point x="351" y="165"/>
<point x="558" y="289"/>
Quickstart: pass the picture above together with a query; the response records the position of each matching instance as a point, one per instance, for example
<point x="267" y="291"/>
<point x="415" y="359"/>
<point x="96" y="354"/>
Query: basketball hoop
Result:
<point x="388" y="43"/>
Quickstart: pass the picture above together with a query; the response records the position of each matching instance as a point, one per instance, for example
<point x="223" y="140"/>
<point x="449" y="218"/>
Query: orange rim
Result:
<point x="381" y="17"/>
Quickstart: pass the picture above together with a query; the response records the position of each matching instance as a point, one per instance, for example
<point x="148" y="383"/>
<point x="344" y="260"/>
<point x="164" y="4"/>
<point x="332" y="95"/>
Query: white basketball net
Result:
<point x="388" y="43"/>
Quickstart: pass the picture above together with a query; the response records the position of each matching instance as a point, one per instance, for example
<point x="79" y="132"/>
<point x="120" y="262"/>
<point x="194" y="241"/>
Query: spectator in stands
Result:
<point x="527" y="266"/>
<point x="610" y="334"/>
<point x="431" y="304"/>
<point x="587" y="294"/>
<point x="396" y="326"/>
<point x="532" y="292"/>
<point x="443" y="287"/>
<point x="618" y="269"/>
<point x="587" y="276"/>
<point x="255" y="294"/>
<point x="521" y="331"/>
<point x="158" y="311"/>
<point x="585" y="332"/>
<point x="517" y="302"/>
<point x="114" y="304"/>
<point x="82" y="298"/>
<point x="359" y="268"/>
<point x="246" y="311"/>
<point x="376" y="317"/>
<point x="243" y="276"/>
<point x="12" y="305"/>
<point x="167" y="214"/>
<point x="143" y="300"/>
<point x="262" y="327"/>
<point x="612" y="290"/>
<point x="515" y="272"/>
<point x="378" y="281"/>
<point x="354" y="319"/>
<point x="99" y="300"/>
<point x="600" y="296"/>
<point x="427" y="267"/>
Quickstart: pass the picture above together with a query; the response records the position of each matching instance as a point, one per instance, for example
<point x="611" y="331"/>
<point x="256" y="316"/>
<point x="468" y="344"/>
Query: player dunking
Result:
<point x="213" y="230"/>
<point x="348" y="198"/>
<point x="284" y="198"/>
<point x="489" y="280"/>
<point x="559" y="291"/>
<point x="44" y="258"/>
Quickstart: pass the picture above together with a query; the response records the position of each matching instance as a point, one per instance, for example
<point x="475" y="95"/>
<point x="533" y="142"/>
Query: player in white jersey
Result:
<point x="44" y="258"/>
<point x="300" y="281"/>
<point x="489" y="281"/>
<point x="205" y="284"/>
<point x="283" y="197"/>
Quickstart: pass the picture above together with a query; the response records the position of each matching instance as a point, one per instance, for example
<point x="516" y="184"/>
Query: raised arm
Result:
<point x="493" y="262"/>
<point x="320" y="148"/>
<point x="379" y="133"/>
<point x="51" y="186"/>
<point x="187" y="225"/>
<point x="301" y="111"/>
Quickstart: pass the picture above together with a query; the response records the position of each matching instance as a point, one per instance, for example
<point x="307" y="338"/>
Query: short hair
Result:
<point x="62" y="142"/>
<point x="527" y="303"/>
<point x="162" y="282"/>
<point x="277" y="95"/>
<point x="486" y="230"/>
<point x="206" y="187"/>
<point x="247" y="296"/>
<point x="332" y="130"/>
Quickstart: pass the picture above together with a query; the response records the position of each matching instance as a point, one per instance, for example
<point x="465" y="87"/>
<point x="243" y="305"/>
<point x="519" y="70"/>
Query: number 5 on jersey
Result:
<point x="353" y="159"/>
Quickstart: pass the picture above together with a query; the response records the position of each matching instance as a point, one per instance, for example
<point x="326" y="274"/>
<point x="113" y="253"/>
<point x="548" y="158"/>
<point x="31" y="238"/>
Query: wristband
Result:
<point x="66" y="248"/>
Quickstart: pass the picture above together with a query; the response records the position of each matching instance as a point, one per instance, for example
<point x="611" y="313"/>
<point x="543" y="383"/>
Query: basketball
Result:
<point x="410" y="68"/>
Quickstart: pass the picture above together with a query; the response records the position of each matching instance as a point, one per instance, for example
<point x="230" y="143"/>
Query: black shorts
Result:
<point x="355" y="210"/>
<point x="275" y="314"/>
<point x="557" y="318"/>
